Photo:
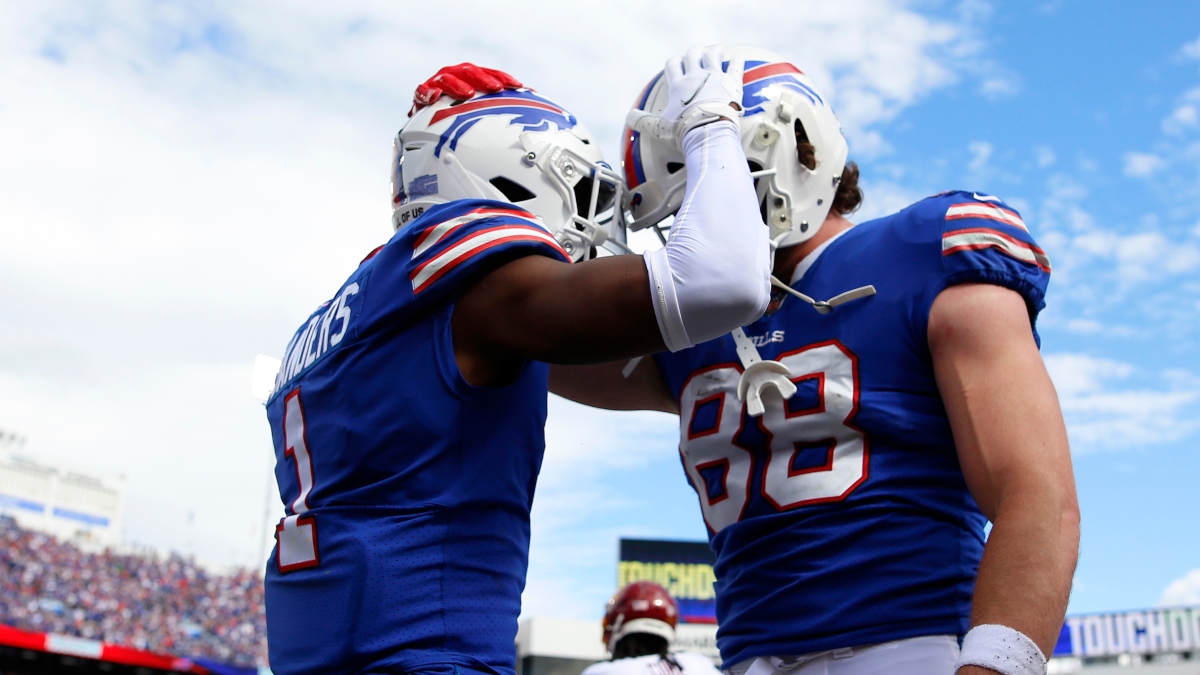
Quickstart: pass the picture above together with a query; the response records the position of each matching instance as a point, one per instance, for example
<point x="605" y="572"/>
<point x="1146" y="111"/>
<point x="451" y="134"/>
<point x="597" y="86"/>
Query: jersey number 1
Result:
<point x="721" y="469"/>
<point x="296" y="534"/>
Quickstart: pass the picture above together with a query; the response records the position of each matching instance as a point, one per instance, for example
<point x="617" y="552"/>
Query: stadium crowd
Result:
<point x="170" y="605"/>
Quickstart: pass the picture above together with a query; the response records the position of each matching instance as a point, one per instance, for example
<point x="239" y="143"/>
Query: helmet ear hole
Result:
<point x="512" y="190"/>
<point x="674" y="167"/>
<point x="806" y="154"/>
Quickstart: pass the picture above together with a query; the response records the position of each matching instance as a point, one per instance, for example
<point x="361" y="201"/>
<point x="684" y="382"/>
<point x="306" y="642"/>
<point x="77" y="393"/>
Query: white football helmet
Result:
<point x="513" y="146"/>
<point x="779" y="102"/>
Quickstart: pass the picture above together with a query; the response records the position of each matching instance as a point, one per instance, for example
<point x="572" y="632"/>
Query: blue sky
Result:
<point x="186" y="181"/>
<point x="1102" y="88"/>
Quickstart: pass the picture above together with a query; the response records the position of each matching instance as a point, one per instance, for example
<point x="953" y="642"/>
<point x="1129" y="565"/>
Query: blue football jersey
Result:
<point x="840" y="517"/>
<point x="407" y="489"/>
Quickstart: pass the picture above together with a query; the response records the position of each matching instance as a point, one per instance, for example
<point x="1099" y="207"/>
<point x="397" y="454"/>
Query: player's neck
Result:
<point x="787" y="258"/>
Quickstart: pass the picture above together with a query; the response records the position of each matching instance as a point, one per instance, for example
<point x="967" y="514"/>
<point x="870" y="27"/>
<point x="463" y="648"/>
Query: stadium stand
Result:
<point x="164" y="605"/>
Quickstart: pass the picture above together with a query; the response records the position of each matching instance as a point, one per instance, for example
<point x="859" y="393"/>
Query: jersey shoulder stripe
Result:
<point x="457" y="234"/>
<point x="978" y="223"/>
<point x="430" y="236"/>
<point x="978" y="238"/>
<point x="985" y="210"/>
<point x="426" y="273"/>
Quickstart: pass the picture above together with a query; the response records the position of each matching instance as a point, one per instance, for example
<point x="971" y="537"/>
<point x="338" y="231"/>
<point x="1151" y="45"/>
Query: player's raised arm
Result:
<point x="710" y="278"/>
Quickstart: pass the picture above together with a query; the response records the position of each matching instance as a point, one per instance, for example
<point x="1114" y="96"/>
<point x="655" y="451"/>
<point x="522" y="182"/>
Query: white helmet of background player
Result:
<point x="513" y="146"/>
<point x="779" y="103"/>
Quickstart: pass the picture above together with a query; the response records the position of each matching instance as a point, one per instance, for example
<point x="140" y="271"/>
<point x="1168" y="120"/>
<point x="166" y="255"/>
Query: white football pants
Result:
<point x="929" y="655"/>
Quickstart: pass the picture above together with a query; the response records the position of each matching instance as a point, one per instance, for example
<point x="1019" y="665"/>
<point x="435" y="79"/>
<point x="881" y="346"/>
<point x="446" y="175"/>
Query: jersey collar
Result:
<point x="809" y="260"/>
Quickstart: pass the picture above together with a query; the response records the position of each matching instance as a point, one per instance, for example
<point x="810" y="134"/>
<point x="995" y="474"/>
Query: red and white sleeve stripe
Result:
<point x="988" y="211"/>
<point x="435" y="233"/>
<point x="425" y="274"/>
<point x="977" y="238"/>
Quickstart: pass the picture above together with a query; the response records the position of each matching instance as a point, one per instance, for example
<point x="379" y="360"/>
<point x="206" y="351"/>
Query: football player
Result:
<point x="639" y="628"/>
<point x="408" y="416"/>
<point x="849" y="447"/>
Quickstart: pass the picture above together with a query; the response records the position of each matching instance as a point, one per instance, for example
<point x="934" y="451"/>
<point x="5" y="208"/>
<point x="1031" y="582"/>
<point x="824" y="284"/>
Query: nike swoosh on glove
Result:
<point x="698" y="92"/>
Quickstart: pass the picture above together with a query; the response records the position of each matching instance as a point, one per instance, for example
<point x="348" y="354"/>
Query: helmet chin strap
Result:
<point x="825" y="306"/>
<point x="822" y="306"/>
<point x="759" y="376"/>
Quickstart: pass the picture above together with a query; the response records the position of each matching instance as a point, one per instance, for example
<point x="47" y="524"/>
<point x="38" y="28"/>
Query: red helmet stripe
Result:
<point x="769" y="70"/>
<point x="492" y="103"/>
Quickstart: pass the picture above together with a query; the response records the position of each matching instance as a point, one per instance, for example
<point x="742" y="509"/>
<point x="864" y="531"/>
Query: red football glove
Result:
<point x="461" y="82"/>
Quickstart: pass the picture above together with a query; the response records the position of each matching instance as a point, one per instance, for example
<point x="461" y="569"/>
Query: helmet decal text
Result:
<point x="423" y="186"/>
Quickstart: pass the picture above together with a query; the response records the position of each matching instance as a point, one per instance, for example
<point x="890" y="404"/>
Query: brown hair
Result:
<point x="849" y="195"/>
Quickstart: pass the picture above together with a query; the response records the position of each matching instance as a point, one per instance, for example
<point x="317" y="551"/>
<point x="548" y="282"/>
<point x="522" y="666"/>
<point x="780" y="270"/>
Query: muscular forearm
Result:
<point x="1025" y="577"/>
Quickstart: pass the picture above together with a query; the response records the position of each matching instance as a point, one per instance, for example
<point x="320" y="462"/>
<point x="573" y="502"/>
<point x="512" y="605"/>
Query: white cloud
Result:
<point x="980" y="152"/>
<point x="882" y="198"/>
<point x="1192" y="49"/>
<point x="1112" y="405"/>
<point x="1183" y="592"/>
<point x="1181" y="119"/>
<point x="1147" y="255"/>
<point x="1142" y="164"/>
<point x="1044" y="156"/>
<point x="1099" y="262"/>
<point x="999" y="86"/>
<point x="1051" y="6"/>
<point x="1085" y="326"/>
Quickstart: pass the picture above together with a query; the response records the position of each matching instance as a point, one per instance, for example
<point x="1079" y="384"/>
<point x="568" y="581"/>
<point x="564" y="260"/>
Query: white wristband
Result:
<point x="1002" y="649"/>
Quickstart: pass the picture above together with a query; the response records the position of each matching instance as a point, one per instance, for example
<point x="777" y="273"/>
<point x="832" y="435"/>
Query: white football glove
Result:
<point x="698" y="92"/>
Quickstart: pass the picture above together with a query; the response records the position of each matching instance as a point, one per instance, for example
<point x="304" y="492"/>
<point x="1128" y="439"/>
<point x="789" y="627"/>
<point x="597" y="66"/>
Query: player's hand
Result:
<point x="698" y="92"/>
<point x="461" y="82"/>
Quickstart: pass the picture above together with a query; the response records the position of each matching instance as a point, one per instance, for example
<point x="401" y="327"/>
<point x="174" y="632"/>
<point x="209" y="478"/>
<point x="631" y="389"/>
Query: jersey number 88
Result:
<point x="720" y="469"/>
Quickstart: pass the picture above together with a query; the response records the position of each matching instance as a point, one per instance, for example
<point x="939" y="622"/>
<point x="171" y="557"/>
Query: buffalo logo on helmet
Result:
<point x="762" y="74"/>
<point x="529" y="109"/>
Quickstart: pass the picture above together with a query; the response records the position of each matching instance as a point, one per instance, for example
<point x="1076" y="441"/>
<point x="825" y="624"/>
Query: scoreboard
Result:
<point x="684" y="568"/>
